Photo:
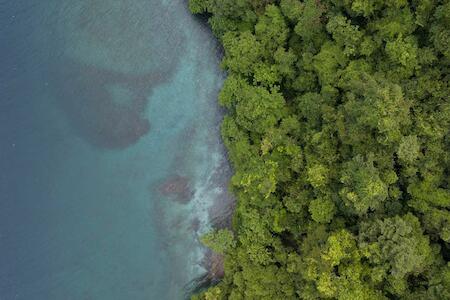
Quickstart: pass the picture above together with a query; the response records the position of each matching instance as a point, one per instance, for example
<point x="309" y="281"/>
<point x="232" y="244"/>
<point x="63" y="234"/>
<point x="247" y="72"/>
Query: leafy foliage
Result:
<point x="219" y="241"/>
<point x="338" y="132"/>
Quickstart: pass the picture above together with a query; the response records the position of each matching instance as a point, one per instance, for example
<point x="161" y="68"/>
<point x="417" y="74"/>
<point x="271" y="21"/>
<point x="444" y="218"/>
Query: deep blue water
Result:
<point x="110" y="156"/>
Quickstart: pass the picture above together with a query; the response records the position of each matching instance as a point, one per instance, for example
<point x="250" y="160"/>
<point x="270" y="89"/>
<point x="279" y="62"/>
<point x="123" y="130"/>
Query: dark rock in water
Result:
<point x="178" y="188"/>
<point x="213" y="263"/>
<point x="112" y="46"/>
<point x="195" y="224"/>
<point x="221" y="210"/>
<point x="84" y="93"/>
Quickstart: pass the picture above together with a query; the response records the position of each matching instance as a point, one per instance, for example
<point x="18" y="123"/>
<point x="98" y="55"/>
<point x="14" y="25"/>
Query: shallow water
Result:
<point x="109" y="147"/>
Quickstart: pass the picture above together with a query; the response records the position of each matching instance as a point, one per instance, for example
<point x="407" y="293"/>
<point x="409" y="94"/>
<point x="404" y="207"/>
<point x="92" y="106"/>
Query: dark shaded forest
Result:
<point x="338" y="133"/>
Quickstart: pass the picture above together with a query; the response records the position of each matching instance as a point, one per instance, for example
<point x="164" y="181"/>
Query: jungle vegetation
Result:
<point x="338" y="133"/>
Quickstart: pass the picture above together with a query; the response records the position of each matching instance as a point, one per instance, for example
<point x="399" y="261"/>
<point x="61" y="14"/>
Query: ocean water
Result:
<point x="110" y="155"/>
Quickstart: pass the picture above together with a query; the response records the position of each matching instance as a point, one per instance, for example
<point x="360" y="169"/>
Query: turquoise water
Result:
<point x="110" y="153"/>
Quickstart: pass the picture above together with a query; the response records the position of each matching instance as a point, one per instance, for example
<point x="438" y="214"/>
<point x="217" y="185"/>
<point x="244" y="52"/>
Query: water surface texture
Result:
<point x="109" y="149"/>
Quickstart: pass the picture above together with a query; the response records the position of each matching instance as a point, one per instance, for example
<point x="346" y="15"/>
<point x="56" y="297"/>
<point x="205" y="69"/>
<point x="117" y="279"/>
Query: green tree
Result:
<point x="219" y="241"/>
<point x="322" y="210"/>
<point x="363" y="188"/>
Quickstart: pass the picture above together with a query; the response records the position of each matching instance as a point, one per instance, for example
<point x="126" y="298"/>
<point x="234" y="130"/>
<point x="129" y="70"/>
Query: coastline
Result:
<point x="195" y="198"/>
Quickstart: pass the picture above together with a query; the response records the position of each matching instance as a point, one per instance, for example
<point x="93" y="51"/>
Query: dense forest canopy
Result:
<point x="338" y="132"/>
